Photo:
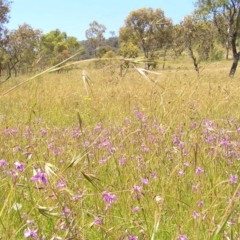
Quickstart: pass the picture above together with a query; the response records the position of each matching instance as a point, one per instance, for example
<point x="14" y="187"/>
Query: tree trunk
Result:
<point x="227" y="49"/>
<point x="234" y="47"/>
<point x="195" y="61"/>
<point x="235" y="55"/>
<point x="234" y="65"/>
<point x="164" y="58"/>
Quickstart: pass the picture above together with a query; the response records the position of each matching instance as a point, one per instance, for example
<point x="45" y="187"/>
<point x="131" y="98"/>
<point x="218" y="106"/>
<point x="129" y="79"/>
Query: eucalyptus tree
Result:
<point x="20" y="48"/>
<point x="4" y="17"/>
<point x="230" y="10"/>
<point x="147" y="28"/>
<point x="178" y="39"/>
<point x="4" y="14"/>
<point x="95" y="34"/>
<point x="196" y="37"/>
<point x="56" y="46"/>
<point x="128" y="50"/>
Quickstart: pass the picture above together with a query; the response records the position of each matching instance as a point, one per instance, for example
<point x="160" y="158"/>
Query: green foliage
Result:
<point x="226" y="16"/>
<point x="95" y="33"/>
<point x="100" y="51"/>
<point x="19" y="49"/>
<point x="90" y="50"/>
<point x="217" y="53"/>
<point x="109" y="54"/>
<point x="128" y="49"/>
<point x="148" y="28"/>
<point x="198" y="37"/>
<point x="4" y="14"/>
<point x="56" y="46"/>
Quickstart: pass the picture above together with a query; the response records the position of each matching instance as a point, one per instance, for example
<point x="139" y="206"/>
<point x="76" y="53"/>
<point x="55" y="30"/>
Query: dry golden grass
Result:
<point x="178" y="94"/>
<point x="174" y="99"/>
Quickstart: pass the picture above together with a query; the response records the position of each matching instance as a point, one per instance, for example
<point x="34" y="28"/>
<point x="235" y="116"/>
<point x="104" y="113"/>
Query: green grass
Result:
<point x="166" y="153"/>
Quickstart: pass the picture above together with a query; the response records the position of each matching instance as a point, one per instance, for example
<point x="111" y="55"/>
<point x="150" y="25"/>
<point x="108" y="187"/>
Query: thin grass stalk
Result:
<point x="228" y="212"/>
<point x="35" y="76"/>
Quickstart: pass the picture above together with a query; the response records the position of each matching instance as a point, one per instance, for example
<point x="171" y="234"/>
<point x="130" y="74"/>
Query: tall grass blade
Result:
<point x="35" y="76"/>
<point x="217" y="233"/>
<point x="86" y="79"/>
<point x="92" y="179"/>
<point x="156" y="225"/>
<point x="47" y="212"/>
<point x="75" y="160"/>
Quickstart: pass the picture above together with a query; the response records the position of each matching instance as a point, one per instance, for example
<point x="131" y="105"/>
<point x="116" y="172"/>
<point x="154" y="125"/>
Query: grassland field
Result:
<point x="131" y="159"/>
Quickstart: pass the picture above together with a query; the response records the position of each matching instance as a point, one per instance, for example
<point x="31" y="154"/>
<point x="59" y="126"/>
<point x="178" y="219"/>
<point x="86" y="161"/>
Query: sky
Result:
<point x="74" y="16"/>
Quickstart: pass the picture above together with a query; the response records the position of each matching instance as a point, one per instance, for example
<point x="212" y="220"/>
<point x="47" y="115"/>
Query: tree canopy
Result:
<point x="56" y="46"/>
<point x="4" y="14"/>
<point x="147" y="28"/>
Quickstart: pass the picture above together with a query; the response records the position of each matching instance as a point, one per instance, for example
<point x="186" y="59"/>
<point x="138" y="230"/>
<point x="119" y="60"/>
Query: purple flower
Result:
<point x="186" y="164"/>
<point x="61" y="183"/>
<point x="137" y="189"/>
<point x="199" y="170"/>
<point x="27" y="133"/>
<point x="193" y="124"/>
<point x="139" y="115"/>
<point x="128" y="120"/>
<point x="75" y="133"/>
<point x="132" y="237"/>
<point x="195" y="215"/>
<point x="18" y="148"/>
<point x="145" y="181"/>
<point x="98" y="127"/>
<point x="66" y="211"/>
<point x="180" y="173"/>
<point x="7" y="131"/>
<point x="43" y="131"/>
<point x="234" y="178"/>
<point x="122" y="161"/>
<point x="97" y="221"/>
<point x="108" y="198"/>
<point x="3" y="163"/>
<point x="176" y="139"/>
<point x="30" y="222"/>
<point x="24" y="215"/>
<point x="135" y="209"/>
<point x="154" y="175"/>
<point x="40" y="176"/>
<point x="30" y="233"/>
<point x="57" y="151"/>
<point x="200" y="203"/>
<point x="181" y="144"/>
<point x="152" y="138"/>
<point x="182" y="237"/>
<point x="19" y="166"/>
<point x="50" y="146"/>
<point x="145" y="149"/>
<point x="225" y="142"/>
<point x="103" y="160"/>
<point x="14" y="131"/>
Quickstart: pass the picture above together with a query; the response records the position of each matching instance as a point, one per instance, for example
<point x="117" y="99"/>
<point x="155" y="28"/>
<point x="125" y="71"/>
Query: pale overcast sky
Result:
<point x="74" y="16"/>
